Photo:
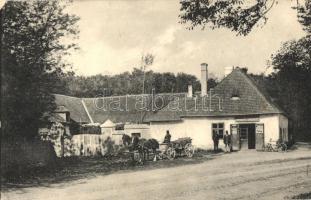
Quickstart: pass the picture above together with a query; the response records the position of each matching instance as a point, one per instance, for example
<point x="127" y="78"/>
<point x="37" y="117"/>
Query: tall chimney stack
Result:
<point x="204" y="77"/>
<point x="190" y="92"/>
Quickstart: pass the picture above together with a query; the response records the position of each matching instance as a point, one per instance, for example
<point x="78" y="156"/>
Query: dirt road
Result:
<point x="242" y="175"/>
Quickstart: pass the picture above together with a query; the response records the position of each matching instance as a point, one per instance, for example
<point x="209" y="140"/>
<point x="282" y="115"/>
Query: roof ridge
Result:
<point x="87" y="112"/>
<point x="226" y="77"/>
<point x="132" y="95"/>
<point x="259" y="91"/>
<point x="67" y="96"/>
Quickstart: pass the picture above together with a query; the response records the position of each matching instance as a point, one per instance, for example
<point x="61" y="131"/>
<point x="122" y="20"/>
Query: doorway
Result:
<point x="247" y="136"/>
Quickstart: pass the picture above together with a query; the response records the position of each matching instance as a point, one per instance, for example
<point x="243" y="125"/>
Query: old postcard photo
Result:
<point x="157" y="100"/>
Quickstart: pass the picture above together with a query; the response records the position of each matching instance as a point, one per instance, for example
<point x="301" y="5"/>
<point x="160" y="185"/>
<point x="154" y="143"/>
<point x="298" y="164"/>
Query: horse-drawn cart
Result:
<point x="179" y="147"/>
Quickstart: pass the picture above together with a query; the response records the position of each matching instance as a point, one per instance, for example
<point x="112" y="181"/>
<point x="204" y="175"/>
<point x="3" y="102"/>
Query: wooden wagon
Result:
<point x="179" y="147"/>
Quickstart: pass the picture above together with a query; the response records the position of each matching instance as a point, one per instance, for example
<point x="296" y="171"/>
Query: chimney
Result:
<point x="190" y="92"/>
<point x="204" y="77"/>
<point x="228" y="70"/>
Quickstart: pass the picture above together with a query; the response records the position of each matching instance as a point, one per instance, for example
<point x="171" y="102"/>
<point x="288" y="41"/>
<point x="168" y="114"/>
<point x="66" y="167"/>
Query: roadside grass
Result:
<point x="303" y="196"/>
<point x="75" y="168"/>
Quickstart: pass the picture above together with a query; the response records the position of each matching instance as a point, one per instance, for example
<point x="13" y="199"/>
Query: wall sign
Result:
<point x="259" y="128"/>
<point x="247" y="120"/>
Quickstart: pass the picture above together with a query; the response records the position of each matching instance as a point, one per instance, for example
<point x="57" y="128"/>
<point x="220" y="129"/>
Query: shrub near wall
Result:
<point x="20" y="157"/>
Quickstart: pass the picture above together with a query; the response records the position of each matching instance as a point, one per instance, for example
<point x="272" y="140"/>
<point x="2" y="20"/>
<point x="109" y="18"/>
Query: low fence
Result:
<point x="94" y="145"/>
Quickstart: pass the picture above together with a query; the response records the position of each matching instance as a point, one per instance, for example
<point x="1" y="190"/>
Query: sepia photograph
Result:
<point x="155" y="99"/>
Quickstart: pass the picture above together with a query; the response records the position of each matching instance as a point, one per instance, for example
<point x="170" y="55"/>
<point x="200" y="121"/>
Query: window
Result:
<point x="119" y="127"/>
<point x="218" y="128"/>
<point x="235" y="94"/>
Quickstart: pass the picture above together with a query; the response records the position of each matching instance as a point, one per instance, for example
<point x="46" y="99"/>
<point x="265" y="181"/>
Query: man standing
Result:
<point x="135" y="142"/>
<point x="231" y="140"/>
<point x="167" y="138"/>
<point x="227" y="141"/>
<point x="215" y="137"/>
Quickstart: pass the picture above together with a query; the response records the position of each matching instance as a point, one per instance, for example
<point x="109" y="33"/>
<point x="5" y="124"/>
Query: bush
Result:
<point x="18" y="157"/>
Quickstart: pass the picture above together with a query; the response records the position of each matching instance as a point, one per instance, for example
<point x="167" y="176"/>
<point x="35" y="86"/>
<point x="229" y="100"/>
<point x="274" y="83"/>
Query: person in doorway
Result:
<point x="231" y="140"/>
<point x="215" y="138"/>
<point x="135" y="142"/>
<point x="81" y="150"/>
<point x="227" y="142"/>
<point x="167" y="138"/>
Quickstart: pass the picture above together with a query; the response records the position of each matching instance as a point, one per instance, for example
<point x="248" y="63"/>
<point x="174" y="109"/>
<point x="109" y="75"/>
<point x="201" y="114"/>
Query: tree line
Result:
<point x="134" y="82"/>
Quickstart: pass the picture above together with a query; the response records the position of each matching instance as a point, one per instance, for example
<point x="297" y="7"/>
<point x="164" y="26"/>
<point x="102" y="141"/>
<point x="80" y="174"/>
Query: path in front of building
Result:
<point x="241" y="175"/>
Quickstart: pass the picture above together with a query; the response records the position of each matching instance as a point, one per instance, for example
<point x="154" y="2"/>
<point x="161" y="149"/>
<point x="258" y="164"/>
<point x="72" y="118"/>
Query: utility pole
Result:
<point x="143" y="66"/>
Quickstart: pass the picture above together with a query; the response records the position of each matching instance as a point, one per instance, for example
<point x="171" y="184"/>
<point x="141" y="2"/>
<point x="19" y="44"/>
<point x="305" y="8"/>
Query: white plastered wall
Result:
<point x="200" y="128"/>
<point x="283" y="122"/>
<point x="158" y="130"/>
<point x="271" y="127"/>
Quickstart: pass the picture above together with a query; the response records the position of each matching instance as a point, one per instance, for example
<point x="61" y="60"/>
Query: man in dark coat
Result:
<point x="167" y="138"/>
<point x="231" y="140"/>
<point x="227" y="141"/>
<point x="215" y="138"/>
<point x="135" y="142"/>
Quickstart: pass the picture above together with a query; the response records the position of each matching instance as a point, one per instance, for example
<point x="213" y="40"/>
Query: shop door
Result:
<point x="244" y="137"/>
<point x="234" y="130"/>
<point x="251" y="136"/>
<point x="260" y="137"/>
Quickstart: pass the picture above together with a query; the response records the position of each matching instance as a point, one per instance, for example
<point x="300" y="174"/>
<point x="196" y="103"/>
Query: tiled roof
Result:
<point x="252" y="100"/>
<point x="130" y="108"/>
<point x="74" y="106"/>
<point x="56" y="118"/>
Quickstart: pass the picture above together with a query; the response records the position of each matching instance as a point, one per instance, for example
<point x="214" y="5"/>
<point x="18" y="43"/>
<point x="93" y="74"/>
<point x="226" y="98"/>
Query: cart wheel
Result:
<point x="171" y="153"/>
<point x="137" y="157"/>
<point x="285" y="148"/>
<point x="189" y="150"/>
<point x="282" y="148"/>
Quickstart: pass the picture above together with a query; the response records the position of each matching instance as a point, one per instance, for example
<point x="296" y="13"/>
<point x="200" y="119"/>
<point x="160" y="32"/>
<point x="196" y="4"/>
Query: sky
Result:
<point x="114" y="34"/>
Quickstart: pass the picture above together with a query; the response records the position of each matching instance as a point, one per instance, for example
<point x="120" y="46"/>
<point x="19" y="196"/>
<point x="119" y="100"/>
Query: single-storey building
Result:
<point x="237" y="105"/>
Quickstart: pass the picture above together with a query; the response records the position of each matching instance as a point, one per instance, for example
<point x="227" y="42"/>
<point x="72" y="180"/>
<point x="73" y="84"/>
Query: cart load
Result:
<point x="180" y="147"/>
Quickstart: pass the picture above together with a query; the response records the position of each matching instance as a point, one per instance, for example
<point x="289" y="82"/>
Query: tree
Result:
<point x="128" y="83"/>
<point x="292" y="77"/>
<point x="304" y="15"/>
<point x="31" y="60"/>
<point x="183" y="80"/>
<point x="146" y="61"/>
<point x="238" y="15"/>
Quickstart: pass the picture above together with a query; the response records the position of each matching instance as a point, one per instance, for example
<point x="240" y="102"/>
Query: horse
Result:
<point x="126" y="140"/>
<point x="143" y="147"/>
<point x="146" y="145"/>
<point x="150" y="144"/>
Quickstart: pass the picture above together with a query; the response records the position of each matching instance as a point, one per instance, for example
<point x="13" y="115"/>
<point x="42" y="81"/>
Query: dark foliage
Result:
<point x="305" y="15"/>
<point x="240" y="16"/>
<point x="292" y="77"/>
<point x="18" y="157"/>
<point x="289" y="85"/>
<point x="129" y="83"/>
<point x="31" y="63"/>
<point x="303" y="196"/>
